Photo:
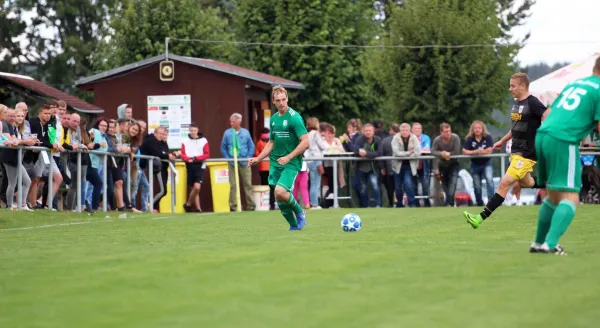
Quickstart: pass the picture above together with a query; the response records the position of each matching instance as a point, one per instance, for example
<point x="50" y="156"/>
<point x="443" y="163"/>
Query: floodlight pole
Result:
<point x="167" y="48"/>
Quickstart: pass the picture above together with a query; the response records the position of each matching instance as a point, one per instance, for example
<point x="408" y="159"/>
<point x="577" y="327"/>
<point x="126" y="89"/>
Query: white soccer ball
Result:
<point x="351" y="222"/>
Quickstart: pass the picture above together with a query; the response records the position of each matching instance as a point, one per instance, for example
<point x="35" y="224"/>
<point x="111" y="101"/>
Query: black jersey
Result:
<point x="526" y="116"/>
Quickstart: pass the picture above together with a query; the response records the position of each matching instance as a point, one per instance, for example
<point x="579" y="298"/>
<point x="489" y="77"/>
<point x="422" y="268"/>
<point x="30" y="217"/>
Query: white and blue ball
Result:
<point x="351" y="222"/>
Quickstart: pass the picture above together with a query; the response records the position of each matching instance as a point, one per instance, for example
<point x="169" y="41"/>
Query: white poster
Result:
<point x="174" y="113"/>
<point x="267" y="118"/>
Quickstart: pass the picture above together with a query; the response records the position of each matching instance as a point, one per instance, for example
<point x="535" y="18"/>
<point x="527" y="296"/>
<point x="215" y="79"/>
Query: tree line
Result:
<point x="59" y="41"/>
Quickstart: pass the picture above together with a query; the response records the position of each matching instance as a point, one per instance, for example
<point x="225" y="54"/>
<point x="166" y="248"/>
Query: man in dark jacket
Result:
<point x="156" y="145"/>
<point x="387" y="174"/>
<point x="368" y="146"/>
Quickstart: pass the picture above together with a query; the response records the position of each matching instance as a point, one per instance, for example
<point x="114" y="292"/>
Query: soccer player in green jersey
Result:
<point x="572" y="117"/>
<point x="287" y="143"/>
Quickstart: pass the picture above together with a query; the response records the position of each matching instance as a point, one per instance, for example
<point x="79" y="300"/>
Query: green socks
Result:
<point x="562" y="218"/>
<point x="293" y="204"/>
<point x="288" y="213"/>
<point x="544" y="219"/>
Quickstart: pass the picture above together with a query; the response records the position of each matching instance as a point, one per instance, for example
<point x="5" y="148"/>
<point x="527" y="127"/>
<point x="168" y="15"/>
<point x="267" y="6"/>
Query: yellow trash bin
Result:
<point x="180" y="190"/>
<point x="219" y="183"/>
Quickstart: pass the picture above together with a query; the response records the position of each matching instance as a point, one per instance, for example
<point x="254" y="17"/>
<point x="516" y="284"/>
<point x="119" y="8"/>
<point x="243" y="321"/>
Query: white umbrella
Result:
<point x="548" y="87"/>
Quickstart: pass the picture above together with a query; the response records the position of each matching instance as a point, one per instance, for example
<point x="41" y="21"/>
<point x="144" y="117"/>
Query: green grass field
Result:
<point x="405" y="268"/>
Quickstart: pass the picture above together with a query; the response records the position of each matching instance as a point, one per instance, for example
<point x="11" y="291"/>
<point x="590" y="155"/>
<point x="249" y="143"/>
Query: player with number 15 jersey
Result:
<point x="573" y="116"/>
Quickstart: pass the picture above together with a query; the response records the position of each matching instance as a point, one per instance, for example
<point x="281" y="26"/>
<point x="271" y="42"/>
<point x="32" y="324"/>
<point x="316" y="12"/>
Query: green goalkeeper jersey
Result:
<point x="575" y="112"/>
<point x="286" y="131"/>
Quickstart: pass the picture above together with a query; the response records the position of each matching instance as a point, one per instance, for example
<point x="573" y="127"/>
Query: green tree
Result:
<point x="140" y="29"/>
<point x="335" y="88"/>
<point x="444" y="84"/>
<point x="56" y="37"/>
<point x="11" y="27"/>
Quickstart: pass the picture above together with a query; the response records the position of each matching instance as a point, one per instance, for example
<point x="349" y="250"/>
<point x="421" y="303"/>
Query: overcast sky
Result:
<point x="573" y="23"/>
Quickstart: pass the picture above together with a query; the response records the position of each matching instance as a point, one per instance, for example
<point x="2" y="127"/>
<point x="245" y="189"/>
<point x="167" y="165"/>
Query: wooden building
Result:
<point x="217" y="90"/>
<point x="34" y="92"/>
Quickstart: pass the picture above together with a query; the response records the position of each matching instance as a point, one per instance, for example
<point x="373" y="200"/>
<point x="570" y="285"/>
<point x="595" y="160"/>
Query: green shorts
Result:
<point x="283" y="177"/>
<point x="558" y="163"/>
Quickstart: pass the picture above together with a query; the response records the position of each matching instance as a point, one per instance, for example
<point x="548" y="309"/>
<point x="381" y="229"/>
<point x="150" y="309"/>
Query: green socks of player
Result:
<point x="492" y="205"/>
<point x="294" y="204"/>
<point x="544" y="219"/>
<point x="288" y="213"/>
<point x="562" y="218"/>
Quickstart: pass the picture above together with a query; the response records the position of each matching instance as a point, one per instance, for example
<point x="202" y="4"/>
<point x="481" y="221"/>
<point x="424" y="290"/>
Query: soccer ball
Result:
<point x="351" y="222"/>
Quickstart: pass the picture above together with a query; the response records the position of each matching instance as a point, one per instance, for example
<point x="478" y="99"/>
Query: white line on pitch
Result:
<point x="49" y="226"/>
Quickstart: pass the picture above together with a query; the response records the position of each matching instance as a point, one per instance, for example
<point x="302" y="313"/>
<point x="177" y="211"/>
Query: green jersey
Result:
<point x="575" y="112"/>
<point x="286" y="130"/>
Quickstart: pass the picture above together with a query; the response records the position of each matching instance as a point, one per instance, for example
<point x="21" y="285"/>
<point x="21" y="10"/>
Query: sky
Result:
<point x="561" y="31"/>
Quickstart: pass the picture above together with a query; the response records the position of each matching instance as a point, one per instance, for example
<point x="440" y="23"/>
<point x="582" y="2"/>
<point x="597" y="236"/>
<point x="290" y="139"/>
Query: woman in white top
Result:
<point x="334" y="146"/>
<point x="316" y="146"/>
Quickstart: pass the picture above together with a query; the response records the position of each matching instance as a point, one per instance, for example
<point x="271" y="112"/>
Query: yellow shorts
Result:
<point x="519" y="166"/>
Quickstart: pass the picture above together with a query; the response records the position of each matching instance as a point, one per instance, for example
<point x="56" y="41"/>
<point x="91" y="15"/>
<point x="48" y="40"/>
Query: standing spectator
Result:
<point x="301" y="184"/>
<point x="14" y="134"/>
<point x="7" y="118"/>
<point x="141" y="181"/>
<point x="114" y="176"/>
<point x="77" y="138"/>
<point x="23" y="106"/>
<point x="423" y="168"/>
<point x="379" y="130"/>
<point x="316" y="146"/>
<point x="263" y="167"/>
<point x="368" y="146"/>
<point x="479" y="142"/>
<point x="446" y="169"/>
<point x="134" y="140"/>
<point x="335" y="147"/>
<point x="125" y="111"/>
<point x="98" y="136"/>
<point x="354" y="129"/>
<point x="156" y="145"/>
<point x="194" y="151"/>
<point x="387" y="172"/>
<point x="246" y="151"/>
<point x="405" y="144"/>
<point x="40" y="128"/>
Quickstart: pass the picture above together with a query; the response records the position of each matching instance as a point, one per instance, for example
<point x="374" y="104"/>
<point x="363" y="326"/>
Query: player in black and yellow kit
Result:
<point x="526" y="115"/>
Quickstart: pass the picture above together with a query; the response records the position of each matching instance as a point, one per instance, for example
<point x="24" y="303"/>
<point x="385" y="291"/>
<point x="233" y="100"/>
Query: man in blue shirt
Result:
<point x="479" y="142"/>
<point x="246" y="151"/>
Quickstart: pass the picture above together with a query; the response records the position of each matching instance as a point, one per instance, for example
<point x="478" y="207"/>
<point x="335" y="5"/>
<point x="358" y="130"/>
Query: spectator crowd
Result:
<point x="69" y="137"/>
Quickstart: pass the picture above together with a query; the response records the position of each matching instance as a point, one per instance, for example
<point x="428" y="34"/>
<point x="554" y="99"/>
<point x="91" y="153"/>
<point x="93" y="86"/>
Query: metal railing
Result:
<point x="350" y="157"/>
<point x="335" y="158"/>
<point x="104" y="156"/>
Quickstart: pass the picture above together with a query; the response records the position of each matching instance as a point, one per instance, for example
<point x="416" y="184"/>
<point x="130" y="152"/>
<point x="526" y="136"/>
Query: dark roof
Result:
<point x="46" y="90"/>
<point x="206" y="63"/>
